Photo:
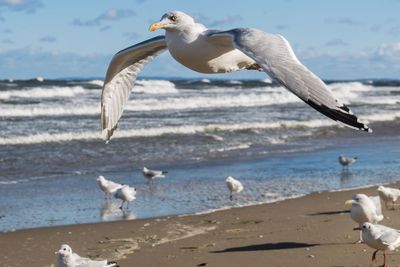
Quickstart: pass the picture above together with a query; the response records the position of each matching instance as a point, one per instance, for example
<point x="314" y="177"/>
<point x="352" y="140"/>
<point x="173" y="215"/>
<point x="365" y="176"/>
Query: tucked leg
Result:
<point x="374" y="255"/>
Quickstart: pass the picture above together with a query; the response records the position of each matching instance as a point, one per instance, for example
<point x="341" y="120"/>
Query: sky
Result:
<point x="339" y="39"/>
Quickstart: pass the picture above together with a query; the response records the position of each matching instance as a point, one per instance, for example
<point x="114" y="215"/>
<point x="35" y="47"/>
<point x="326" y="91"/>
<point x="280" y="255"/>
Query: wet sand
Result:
<point x="314" y="230"/>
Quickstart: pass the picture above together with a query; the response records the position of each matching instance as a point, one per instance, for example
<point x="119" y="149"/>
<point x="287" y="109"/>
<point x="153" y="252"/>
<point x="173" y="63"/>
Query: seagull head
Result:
<point x="64" y="250"/>
<point x="229" y="179"/>
<point x="358" y="199"/>
<point x="101" y="179"/>
<point x="364" y="227"/>
<point x="172" y="21"/>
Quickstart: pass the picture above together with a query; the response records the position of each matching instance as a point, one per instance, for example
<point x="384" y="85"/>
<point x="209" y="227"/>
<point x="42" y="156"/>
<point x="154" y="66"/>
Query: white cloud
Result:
<point x="389" y="51"/>
<point x="51" y="64"/>
<point x="29" y="6"/>
<point x="111" y="14"/>
<point x="383" y="62"/>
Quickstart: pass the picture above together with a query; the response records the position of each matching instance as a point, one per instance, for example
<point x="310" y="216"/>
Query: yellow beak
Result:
<point x="349" y="202"/>
<point x="155" y="26"/>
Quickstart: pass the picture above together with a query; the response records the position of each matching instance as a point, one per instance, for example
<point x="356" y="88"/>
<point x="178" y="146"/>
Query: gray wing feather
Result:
<point x="86" y="262"/>
<point x="274" y="54"/>
<point x="390" y="237"/>
<point x="120" y="78"/>
<point x="377" y="202"/>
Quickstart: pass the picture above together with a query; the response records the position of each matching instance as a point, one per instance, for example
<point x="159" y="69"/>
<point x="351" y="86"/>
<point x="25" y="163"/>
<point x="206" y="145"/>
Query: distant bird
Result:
<point x="153" y="174"/>
<point x="214" y="51"/>
<point x="66" y="258"/>
<point x="388" y="195"/>
<point x="126" y="194"/>
<point x="107" y="186"/>
<point x="365" y="209"/>
<point x="233" y="185"/>
<point x="346" y="161"/>
<point x="380" y="237"/>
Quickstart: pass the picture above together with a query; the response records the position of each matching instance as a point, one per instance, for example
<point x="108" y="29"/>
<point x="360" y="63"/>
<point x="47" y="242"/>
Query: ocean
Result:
<point x="199" y="130"/>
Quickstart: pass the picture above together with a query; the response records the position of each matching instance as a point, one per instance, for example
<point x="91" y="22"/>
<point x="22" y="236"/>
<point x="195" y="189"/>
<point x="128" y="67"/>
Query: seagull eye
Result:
<point x="173" y="18"/>
<point x="65" y="249"/>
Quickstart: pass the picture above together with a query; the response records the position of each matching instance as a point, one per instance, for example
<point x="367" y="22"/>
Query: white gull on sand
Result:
<point x="380" y="237"/>
<point x="365" y="209"/>
<point x="67" y="258"/>
<point x="388" y="195"/>
<point x="213" y="51"/>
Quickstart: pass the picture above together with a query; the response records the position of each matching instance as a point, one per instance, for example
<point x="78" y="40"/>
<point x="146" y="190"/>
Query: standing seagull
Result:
<point x="107" y="186"/>
<point x="153" y="174"/>
<point x="365" y="209"/>
<point x="233" y="185"/>
<point x="388" y="195"/>
<point x="66" y="258"/>
<point x="380" y="237"/>
<point x="126" y="194"/>
<point x="213" y="51"/>
<point x="346" y="161"/>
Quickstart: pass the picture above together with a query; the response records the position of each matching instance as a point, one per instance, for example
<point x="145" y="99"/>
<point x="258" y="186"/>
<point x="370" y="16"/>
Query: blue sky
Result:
<point x="339" y="39"/>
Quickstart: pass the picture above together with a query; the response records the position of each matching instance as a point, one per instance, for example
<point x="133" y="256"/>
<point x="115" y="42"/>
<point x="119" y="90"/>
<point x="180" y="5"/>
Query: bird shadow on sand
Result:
<point x="267" y="246"/>
<point x="334" y="212"/>
<point x="277" y="246"/>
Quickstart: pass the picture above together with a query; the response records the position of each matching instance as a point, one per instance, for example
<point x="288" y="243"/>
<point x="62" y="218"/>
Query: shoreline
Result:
<point x="200" y="187"/>
<point x="312" y="230"/>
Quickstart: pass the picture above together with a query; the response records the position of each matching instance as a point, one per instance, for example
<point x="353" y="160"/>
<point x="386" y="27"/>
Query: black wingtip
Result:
<point x="343" y="114"/>
<point x="112" y="264"/>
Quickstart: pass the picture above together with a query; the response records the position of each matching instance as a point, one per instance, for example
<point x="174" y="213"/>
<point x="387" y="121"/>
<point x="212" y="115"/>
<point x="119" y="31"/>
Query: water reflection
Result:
<point x="345" y="176"/>
<point x="110" y="211"/>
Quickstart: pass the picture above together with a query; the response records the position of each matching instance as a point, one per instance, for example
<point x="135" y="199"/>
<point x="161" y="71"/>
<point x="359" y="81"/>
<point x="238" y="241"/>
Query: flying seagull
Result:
<point x="212" y="51"/>
<point x="67" y="258"/>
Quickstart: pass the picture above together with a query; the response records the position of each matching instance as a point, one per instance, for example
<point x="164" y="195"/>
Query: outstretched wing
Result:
<point x="275" y="56"/>
<point x="120" y="78"/>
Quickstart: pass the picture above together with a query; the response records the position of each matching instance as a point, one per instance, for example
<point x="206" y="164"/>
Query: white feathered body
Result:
<point x="380" y="237"/>
<point x="126" y="193"/>
<point x="195" y="51"/>
<point x="368" y="209"/>
<point x="233" y="185"/>
<point x="108" y="186"/>
<point x="388" y="194"/>
<point x="74" y="260"/>
<point x="67" y="258"/>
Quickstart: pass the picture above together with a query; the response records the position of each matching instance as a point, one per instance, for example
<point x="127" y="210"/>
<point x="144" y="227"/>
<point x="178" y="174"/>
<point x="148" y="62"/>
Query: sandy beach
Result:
<point x="314" y="230"/>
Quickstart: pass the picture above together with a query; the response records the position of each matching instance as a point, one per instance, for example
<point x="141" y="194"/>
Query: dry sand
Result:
<point x="314" y="230"/>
